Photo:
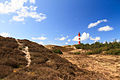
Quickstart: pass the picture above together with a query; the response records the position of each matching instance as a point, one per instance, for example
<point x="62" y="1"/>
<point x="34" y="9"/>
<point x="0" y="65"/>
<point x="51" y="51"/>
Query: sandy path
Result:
<point x="108" y="65"/>
<point x="25" y="50"/>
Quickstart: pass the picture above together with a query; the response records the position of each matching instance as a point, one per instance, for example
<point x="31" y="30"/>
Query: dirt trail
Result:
<point x="25" y="50"/>
<point x="108" y="65"/>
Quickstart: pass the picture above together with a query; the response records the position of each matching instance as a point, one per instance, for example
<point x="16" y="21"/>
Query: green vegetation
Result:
<point x="113" y="52"/>
<point x="77" y="53"/>
<point x="112" y="48"/>
<point x="95" y="51"/>
<point x="58" y="51"/>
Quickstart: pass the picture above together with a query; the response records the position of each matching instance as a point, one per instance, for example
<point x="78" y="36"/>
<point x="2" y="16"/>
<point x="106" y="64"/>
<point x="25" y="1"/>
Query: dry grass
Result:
<point x="45" y="64"/>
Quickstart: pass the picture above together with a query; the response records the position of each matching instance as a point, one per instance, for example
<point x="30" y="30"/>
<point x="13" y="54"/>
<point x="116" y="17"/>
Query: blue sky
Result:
<point x="59" y="21"/>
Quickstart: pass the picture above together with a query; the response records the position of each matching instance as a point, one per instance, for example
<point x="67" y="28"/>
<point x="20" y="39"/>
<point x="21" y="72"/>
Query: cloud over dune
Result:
<point x="21" y="10"/>
<point x="96" y="23"/>
<point x="83" y="37"/>
<point x="4" y="34"/>
<point x="39" y="38"/>
<point x="95" y="39"/>
<point x="105" y="28"/>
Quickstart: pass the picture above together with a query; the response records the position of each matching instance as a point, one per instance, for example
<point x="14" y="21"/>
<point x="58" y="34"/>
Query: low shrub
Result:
<point x="57" y="51"/>
<point x="95" y="51"/>
<point x="105" y="48"/>
<point x="89" y="53"/>
<point x="77" y="53"/>
<point x="77" y="46"/>
<point x="80" y="46"/>
<point x="113" y="52"/>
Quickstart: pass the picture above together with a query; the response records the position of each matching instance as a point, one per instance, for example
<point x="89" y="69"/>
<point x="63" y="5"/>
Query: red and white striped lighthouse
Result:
<point x="79" y="38"/>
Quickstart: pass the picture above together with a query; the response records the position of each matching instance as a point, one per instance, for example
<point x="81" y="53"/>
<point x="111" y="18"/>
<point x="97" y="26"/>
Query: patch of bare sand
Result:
<point x="108" y="65"/>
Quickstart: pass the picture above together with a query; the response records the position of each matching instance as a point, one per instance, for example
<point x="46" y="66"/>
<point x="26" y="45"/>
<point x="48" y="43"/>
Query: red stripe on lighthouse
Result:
<point x="79" y="38"/>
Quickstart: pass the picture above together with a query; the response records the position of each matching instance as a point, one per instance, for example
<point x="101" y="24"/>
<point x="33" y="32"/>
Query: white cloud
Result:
<point x="69" y="40"/>
<point x="104" y="42"/>
<point x="12" y="6"/>
<point x="4" y="34"/>
<point x="84" y="36"/>
<point x="33" y="8"/>
<point x="62" y="38"/>
<point x="105" y="28"/>
<point x="96" y="23"/>
<point x="21" y="10"/>
<point x="32" y="1"/>
<point x="75" y="38"/>
<point x="41" y="42"/>
<point x="117" y="40"/>
<point x="39" y="38"/>
<point x="95" y="39"/>
<point x="66" y="43"/>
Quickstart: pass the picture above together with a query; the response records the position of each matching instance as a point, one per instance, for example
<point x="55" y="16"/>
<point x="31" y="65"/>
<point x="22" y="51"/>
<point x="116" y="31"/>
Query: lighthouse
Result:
<point x="79" y="38"/>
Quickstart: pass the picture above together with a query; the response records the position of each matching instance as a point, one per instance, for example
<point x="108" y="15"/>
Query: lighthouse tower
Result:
<point x="79" y="38"/>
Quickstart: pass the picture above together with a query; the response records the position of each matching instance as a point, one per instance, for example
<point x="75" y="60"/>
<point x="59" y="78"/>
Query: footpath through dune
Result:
<point x="25" y="50"/>
<point x="108" y="65"/>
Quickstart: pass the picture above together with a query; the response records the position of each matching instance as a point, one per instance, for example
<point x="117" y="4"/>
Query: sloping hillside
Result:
<point x="106" y="64"/>
<point x="62" y="48"/>
<point x="43" y="63"/>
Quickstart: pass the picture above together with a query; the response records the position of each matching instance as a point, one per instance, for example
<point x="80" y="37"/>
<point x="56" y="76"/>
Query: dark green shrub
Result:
<point x="89" y="53"/>
<point x="77" y="46"/>
<point x="77" y="53"/>
<point x="105" y="48"/>
<point x="113" y="52"/>
<point x="95" y="51"/>
<point x="57" y="51"/>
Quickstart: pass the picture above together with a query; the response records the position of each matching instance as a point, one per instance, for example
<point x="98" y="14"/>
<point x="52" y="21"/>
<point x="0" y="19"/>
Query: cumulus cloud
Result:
<point x="96" y="23"/>
<point x="4" y="34"/>
<point x="75" y="38"/>
<point x="66" y="43"/>
<point x="117" y="40"/>
<point x="39" y="38"/>
<point x="32" y="1"/>
<point x="83" y="37"/>
<point x="105" y="28"/>
<point x="21" y="10"/>
<point x="95" y="39"/>
<point x="62" y="38"/>
<point x="41" y="42"/>
<point x="69" y="40"/>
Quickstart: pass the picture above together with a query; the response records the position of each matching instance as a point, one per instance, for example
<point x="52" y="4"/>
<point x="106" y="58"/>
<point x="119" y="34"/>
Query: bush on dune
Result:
<point x="57" y="51"/>
<point x="77" y="53"/>
<point x="113" y="52"/>
<point x="97" y="48"/>
<point x="95" y="51"/>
